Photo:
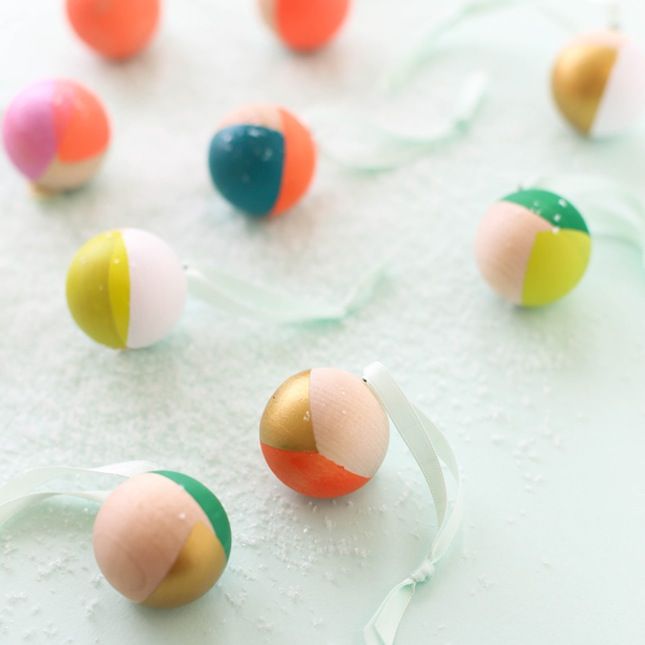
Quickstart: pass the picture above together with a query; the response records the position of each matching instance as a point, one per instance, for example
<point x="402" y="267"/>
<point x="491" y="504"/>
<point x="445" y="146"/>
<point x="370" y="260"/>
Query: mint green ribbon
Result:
<point x="371" y="148"/>
<point x="238" y="297"/>
<point x="413" y="60"/>
<point x="20" y="493"/>
<point x="430" y="449"/>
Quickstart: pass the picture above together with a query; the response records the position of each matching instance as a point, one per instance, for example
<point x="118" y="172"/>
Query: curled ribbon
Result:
<point x="20" y="493"/>
<point x="236" y="296"/>
<point x="430" y="449"/>
<point x="381" y="149"/>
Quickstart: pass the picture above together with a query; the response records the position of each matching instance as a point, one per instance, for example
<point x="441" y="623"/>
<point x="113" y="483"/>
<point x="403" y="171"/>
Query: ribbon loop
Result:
<point x="429" y="448"/>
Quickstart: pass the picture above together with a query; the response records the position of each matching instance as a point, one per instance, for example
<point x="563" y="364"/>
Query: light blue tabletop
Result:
<point x="545" y="409"/>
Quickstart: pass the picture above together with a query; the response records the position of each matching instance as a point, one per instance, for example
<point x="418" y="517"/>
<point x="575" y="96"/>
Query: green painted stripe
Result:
<point x="210" y="505"/>
<point x="552" y="207"/>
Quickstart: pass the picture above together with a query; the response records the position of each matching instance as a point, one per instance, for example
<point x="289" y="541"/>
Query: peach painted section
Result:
<point x="503" y="247"/>
<point x="299" y="162"/>
<point x="311" y="474"/>
<point x="81" y="124"/>
<point x="267" y="10"/>
<point x="350" y="425"/>
<point x="61" y="176"/>
<point x="140" y="531"/>
<point x="265" y="115"/>
<point x="607" y="38"/>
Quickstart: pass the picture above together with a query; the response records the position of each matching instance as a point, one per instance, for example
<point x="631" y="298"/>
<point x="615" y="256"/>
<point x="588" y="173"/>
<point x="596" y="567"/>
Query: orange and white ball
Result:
<point x="56" y="133"/>
<point x="116" y="29"/>
<point x="162" y="539"/>
<point x="324" y="433"/>
<point x="598" y="83"/>
<point x="305" y="25"/>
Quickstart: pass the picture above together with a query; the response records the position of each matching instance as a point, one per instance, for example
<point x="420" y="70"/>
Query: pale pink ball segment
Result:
<point x="324" y="433"/>
<point x="56" y="133"/>
<point x="305" y="25"/>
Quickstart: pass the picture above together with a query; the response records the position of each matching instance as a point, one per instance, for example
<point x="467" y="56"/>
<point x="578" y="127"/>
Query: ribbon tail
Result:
<point x="411" y="62"/>
<point x="384" y="624"/>
<point x="429" y="447"/>
<point x="14" y="506"/>
<point x="31" y="479"/>
<point x="242" y="298"/>
<point x="385" y="150"/>
<point x="18" y="494"/>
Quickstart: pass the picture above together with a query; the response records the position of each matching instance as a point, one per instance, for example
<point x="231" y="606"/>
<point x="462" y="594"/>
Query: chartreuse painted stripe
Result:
<point x="552" y="207"/>
<point x="98" y="289"/>
<point x="211" y="506"/>
<point x="119" y="281"/>
<point x="557" y="262"/>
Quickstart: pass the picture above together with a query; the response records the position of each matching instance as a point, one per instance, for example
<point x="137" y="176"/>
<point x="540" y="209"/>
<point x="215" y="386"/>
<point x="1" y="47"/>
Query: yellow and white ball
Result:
<point x="162" y="539"/>
<point x="126" y="288"/>
<point x="598" y="83"/>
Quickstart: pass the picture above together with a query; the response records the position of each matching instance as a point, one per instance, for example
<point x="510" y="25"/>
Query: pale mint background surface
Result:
<point x="545" y="409"/>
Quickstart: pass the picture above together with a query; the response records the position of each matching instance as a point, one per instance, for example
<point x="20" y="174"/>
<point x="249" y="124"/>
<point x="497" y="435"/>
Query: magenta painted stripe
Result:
<point x="28" y="129"/>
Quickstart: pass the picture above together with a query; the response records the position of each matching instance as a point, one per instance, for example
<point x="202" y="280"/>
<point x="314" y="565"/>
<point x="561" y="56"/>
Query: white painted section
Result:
<point x="157" y="287"/>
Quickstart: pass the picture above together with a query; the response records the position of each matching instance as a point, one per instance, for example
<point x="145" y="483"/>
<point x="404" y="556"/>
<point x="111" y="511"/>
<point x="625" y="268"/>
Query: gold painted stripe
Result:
<point x="197" y="568"/>
<point x="286" y="423"/>
<point x="578" y="81"/>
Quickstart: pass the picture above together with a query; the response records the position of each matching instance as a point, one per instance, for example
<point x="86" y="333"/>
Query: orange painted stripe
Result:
<point x="82" y="128"/>
<point x="299" y="162"/>
<point x="306" y="25"/>
<point x="310" y="473"/>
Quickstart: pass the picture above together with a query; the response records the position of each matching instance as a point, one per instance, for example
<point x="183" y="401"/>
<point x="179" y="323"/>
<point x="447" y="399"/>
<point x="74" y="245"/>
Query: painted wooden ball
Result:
<point x="162" y="539"/>
<point x="533" y="247"/>
<point x="262" y="160"/>
<point x="126" y="288"/>
<point x="305" y="25"/>
<point x="598" y="83"/>
<point x="56" y="133"/>
<point x="324" y="433"/>
<point x="116" y="29"/>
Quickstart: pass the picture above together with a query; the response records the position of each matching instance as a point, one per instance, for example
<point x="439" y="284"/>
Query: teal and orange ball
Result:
<point x="262" y="160"/>
<point x="533" y="247"/>
<point x="162" y="539"/>
<point x="324" y="433"/>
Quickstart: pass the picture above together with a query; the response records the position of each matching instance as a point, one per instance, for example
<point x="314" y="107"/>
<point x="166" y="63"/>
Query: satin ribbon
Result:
<point x="413" y="60"/>
<point x="20" y="493"/>
<point x="236" y="296"/>
<point x="430" y="449"/>
<point x="374" y="149"/>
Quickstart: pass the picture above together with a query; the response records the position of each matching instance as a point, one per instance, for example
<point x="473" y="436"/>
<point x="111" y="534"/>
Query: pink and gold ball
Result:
<point x="324" y="433"/>
<point x="162" y="539"/>
<point x="56" y="133"/>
